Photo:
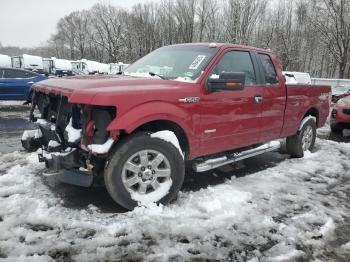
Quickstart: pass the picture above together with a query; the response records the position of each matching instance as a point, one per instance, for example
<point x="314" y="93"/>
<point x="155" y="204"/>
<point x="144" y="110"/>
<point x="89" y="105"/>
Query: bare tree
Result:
<point x="307" y="36"/>
<point x="333" y="22"/>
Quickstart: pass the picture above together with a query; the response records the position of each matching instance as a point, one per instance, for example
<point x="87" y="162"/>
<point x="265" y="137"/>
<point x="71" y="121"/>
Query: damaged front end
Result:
<point x="72" y="139"/>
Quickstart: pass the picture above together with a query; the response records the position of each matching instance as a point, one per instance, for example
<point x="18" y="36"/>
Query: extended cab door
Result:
<point x="231" y="119"/>
<point x="273" y="97"/>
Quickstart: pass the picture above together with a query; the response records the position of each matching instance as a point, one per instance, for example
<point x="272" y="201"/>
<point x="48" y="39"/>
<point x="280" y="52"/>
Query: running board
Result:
<point x="217" y="162"/>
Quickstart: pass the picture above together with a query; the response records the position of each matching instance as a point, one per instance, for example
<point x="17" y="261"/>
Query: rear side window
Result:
<point x="237" y="61"/>
<point x="268" y="69"/>
<point x="16" y="74"/>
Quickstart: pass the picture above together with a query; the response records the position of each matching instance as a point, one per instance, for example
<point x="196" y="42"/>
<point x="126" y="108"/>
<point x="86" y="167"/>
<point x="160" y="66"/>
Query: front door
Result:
<point x="231" y="119"/>
<point x="16" y="84"/>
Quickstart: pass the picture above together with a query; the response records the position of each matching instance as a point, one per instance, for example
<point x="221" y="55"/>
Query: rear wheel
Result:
<point x="144" y="169"/>
<point x="302" y="141"/>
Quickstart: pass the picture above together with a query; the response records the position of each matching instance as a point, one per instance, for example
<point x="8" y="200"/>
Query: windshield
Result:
<point x="341" y="89"/>
<point x="184" y="63"/>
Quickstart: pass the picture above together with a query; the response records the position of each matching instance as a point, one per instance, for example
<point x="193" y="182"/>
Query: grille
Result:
<point x="346" y="111"/>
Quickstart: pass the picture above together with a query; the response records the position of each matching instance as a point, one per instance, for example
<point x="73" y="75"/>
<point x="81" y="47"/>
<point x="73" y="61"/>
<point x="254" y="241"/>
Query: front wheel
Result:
<point x="304" y="139"/>
<point x="144" y="169"/>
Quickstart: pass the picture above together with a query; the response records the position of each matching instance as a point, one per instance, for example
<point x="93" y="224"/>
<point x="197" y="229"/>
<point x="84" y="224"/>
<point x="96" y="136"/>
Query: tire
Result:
<point x="303" y="140"/>
<point x="128" y="155"/>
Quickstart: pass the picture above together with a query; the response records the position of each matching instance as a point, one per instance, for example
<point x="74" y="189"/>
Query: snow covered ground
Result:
<point x="268" y="208"/>
<point x="287" y="212"/>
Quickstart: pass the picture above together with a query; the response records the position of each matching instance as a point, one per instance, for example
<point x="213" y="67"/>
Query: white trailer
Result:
<point x="48" y="66"/>
<point x="116" y="68"/>
<point x="103" y="68"/>
<point x="29" y="62"/>
<point x="88" y="67"/>
<point x="5" y="61"/>
<point x="62" y="67"/>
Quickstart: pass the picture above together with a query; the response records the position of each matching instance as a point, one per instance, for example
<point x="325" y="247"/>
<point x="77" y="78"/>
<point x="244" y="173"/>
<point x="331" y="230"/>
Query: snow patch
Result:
<point x="45" y="123"/>
<point x="156" y="195"/>
<point x="327" y="230"/>
<point x="146" y="75"/>
<point x="74" y="135"/>
<point x="101" y="149"/>
<point x="346" y="246"/>
<point x="53" y="144"/>
<point x="31" y="134"/>
<point x="264" y="214"/>
<point x="185" y="79"/>
<point x="170" y="137"/>
<point x="305" y="120"/>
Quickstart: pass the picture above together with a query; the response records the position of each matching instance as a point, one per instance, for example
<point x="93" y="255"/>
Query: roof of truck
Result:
<point x="226" y="45"/>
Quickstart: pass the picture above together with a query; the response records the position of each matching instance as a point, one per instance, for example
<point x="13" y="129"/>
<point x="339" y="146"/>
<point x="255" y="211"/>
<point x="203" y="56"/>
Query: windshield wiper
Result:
<point x="154" y="74"/>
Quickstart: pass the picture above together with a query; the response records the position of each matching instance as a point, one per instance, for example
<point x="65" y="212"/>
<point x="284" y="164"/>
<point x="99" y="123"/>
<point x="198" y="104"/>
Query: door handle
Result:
<point x="258" y="99"/>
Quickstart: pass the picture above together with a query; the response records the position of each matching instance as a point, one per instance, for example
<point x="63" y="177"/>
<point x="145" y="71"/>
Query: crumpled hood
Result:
<point x="103" y="90"/>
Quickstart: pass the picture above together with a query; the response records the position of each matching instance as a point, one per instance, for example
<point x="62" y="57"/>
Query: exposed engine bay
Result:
<point x="69" y="136"/>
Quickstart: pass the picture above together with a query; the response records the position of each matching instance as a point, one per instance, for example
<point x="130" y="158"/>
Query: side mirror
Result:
<point x="227" y="81"/>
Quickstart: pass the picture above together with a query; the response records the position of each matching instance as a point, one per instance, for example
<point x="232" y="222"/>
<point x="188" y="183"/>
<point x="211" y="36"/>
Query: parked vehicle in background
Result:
<point x="340" y="117"/>
<point x="117" y="68"/>
<point x="62" y="67"/>
<point x="339" y="92"/>
<point x="297" y="77"/>
<point x="103" y="68"/>
<point x="330" y="82"/>
<point x="28" y="62"/>
<point x="77" y="68"/>
<point x="15" y="84"/>
<point x="201" y="106"/>
<point x="48" y="66"/>
<point x="86" y="67"/>
<point x="5" y="61"/>
<point x="57" y="67"/>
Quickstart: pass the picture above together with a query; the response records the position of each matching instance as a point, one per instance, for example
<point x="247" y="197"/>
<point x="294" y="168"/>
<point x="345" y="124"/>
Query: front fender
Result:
<point x="152" y="111"/>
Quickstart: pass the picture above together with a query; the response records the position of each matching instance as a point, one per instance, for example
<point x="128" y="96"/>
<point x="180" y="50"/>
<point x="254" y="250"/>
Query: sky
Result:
<point x="29" y="23"/>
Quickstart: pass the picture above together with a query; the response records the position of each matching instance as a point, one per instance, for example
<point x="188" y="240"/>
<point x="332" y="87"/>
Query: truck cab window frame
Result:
<point x="268" y="69"/>
<point x="238" y="55"/>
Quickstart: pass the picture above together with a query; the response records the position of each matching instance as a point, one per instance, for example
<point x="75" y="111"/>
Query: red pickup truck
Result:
<point x="190" y="105"/>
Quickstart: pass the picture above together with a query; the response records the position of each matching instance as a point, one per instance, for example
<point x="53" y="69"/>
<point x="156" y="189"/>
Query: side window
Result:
<point x="268" y="69"/>
<point x="28" y="74"/>
<point x="16" y="74"/>
<point x="236" y="61"/>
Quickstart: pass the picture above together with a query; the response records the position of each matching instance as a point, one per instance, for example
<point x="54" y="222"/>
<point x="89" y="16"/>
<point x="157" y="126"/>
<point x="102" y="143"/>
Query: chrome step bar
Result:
<point x="235" y="157"/>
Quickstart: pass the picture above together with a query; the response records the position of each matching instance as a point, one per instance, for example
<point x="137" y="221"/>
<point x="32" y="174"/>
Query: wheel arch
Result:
<point x="157" y="117"/>
<point x="313" y="111"/>
<point x="163" y="124"/>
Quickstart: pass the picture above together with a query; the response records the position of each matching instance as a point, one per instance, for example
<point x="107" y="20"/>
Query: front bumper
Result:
<point x="68" y="167"/>
<point x="340" y="116"/>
